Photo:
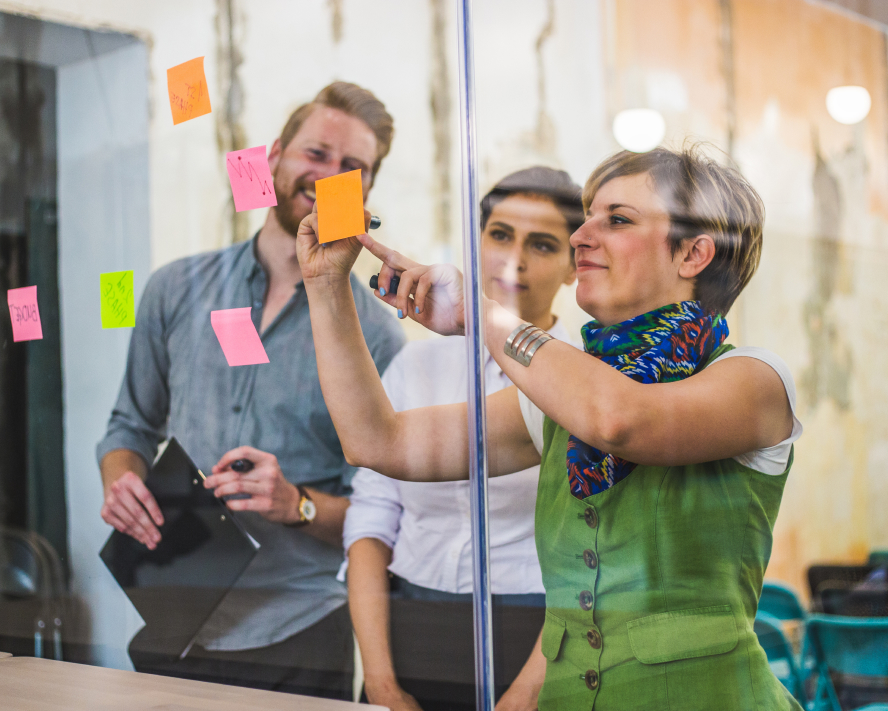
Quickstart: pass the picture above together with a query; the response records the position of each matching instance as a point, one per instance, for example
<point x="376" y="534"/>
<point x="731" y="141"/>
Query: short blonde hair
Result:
<point x="703" y="198"/>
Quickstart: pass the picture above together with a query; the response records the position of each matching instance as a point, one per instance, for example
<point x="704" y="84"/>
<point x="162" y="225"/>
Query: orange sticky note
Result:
<point x="340" y="206"/>
<point x="189" y="96"/>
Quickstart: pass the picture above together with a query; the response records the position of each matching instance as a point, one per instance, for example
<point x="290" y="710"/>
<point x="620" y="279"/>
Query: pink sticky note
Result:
<point x="251" y="181"/>
<point x="238" y="337"/>
<point x="24" y="314"/>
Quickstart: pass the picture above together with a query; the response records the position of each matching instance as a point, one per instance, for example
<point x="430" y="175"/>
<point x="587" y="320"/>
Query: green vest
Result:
<point x="652" y="587"/>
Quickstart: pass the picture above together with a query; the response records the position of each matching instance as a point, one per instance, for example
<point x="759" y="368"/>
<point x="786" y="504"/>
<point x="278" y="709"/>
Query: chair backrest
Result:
<point x="30" y="568"/>
<point x="849" y="646"/>
<point x="780" y="601"/>
<point x="878" y="558"/>
<point x="855" y="602"/>
<point x="24" y="570"/>
<point x="831" y="577"/>
<point x="781" y="659"/>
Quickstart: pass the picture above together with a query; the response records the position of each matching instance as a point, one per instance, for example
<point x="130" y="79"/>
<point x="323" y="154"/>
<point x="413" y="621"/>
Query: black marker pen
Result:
<point x="393" y="284"/>
<point x="241" y="466"/>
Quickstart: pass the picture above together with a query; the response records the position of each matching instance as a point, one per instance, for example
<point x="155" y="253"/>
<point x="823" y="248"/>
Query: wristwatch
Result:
<point x="307" y="508"/>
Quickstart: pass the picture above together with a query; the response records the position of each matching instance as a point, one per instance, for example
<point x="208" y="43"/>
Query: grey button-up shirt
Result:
<point x="178" y="383"/>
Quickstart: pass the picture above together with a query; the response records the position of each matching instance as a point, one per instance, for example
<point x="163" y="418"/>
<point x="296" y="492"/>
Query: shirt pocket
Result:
<point x="554" y="629"/>
<point x="683" y="634"/>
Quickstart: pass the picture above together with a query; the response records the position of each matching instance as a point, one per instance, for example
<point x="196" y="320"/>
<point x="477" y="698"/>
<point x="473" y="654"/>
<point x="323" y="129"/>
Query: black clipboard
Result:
<point x="202" y="552"/>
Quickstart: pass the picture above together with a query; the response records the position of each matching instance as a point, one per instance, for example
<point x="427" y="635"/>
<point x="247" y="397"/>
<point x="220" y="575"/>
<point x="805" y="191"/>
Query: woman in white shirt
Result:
<point x="421" y="533"/>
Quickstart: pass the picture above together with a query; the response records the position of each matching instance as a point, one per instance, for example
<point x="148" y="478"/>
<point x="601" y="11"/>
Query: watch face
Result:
<point x="308" y="510"/>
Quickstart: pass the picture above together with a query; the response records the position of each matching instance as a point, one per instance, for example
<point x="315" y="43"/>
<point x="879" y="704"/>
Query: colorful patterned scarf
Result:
<point x="667" y="344"/>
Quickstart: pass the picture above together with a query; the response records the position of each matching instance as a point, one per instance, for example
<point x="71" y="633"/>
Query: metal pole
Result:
<point x="484" y="690"/>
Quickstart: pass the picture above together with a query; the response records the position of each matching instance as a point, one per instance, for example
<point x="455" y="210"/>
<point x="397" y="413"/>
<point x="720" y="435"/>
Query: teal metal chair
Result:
<point x="852" y="651"/>
<point x="781" y="601"/>
<point x="781" y="658"/>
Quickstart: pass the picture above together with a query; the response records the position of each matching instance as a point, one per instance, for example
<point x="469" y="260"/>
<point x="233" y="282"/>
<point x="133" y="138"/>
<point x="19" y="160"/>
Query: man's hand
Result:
<point x="132" y="510"/>
<point x="271" y="495"/>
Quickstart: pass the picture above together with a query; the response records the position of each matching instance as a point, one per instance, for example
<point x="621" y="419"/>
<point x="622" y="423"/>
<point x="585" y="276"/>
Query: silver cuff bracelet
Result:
<point x="524" y="341"/>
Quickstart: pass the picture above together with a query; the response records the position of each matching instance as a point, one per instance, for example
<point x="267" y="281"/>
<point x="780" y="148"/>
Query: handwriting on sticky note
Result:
<point x="251" y="182"/>
<point x="118" y="300"/>
<point x="238" y="337"/>
<point x="187" y="85"/>
<point x="340" y="206"/>
<point x="24" y="314"/>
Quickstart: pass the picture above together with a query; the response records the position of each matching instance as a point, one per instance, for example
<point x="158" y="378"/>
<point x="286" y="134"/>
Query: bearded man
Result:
<point x="285" y="625"/>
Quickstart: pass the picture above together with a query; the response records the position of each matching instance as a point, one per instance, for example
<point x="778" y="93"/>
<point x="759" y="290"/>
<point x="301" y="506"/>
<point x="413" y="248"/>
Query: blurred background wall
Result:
<point x="749" y="76"/>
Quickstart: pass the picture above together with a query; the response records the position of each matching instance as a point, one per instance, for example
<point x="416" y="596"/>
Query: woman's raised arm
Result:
<point x="734" y="407"/>
<point x="425" y="444"/>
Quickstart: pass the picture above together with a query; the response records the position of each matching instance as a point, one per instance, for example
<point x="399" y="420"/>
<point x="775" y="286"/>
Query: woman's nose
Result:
<point x="584" y="236"/>
<point x="515" y="261"/>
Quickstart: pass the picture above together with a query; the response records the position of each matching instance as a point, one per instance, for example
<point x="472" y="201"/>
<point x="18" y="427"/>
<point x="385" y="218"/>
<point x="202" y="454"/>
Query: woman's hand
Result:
<point x="392" y="696"/>
<point x="518" y="698"/>
<point x="430" y="295"/>
<point x="325" y="260"/>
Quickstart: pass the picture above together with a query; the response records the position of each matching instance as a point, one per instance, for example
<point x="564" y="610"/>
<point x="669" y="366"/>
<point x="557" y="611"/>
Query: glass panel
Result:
<point x="142" y="152"/>
<point x="659" y="539"/>
<point x="731" y="158"/>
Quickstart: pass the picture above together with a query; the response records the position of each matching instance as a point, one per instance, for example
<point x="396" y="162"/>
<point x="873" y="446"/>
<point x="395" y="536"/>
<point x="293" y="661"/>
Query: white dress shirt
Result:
<point x="428" y="525"/>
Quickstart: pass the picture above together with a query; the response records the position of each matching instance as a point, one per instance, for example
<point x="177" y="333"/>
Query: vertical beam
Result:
<point x="726" y="44"/>
<point x="475" y="356"/>
<point x="230" y="132"/>
<point x="440" y="101"/>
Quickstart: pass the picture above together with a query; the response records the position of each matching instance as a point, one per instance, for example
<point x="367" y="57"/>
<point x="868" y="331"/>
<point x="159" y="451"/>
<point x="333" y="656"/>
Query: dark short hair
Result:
<point x="354" y="101"/>
<point x="555" y="185"/>
<point x="704" y="197"/>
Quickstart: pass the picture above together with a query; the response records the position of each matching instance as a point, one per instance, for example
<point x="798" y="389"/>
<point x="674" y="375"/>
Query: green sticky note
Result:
<point x="118" y="301"/>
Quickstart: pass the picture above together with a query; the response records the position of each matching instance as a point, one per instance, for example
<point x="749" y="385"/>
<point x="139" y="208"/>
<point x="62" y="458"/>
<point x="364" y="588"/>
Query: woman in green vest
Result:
<point x="664" y="452"/>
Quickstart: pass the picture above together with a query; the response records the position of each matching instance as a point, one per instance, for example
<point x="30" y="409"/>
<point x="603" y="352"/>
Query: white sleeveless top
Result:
<point x="770" y="460"/>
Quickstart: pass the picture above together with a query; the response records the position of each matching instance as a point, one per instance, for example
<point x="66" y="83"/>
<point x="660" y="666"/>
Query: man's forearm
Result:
<point x="118" y="462"/>
<point x="368" y="601"/>
<point x="327" y="525"/>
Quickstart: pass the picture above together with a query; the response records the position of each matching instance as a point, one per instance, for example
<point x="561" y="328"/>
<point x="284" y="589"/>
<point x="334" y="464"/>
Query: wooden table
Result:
<point x="29" y="684"/>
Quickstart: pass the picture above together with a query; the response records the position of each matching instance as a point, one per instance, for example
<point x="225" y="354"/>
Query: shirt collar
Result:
<point x="253" y="265"/>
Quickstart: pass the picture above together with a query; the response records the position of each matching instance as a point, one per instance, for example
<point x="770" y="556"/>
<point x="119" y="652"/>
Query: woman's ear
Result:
<point x="571" y="275"/>
<point x="696" y="254"/>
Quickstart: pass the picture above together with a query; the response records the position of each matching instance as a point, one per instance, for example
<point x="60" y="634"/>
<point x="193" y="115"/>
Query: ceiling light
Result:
<point x="848" y="104"/>
<point x="639" y="130"/>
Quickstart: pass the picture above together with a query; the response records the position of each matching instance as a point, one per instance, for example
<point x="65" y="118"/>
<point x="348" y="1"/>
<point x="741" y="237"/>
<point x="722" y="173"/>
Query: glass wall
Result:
<point x="200" y="474"/>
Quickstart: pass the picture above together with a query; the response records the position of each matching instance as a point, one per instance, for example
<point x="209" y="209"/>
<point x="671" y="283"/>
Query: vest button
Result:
<point x="591" y="679"/>
<point x="590" y="559"/>
<point x="587" y="601"/>
<point x="594" y="638"/>
<point x="591" y="516"/>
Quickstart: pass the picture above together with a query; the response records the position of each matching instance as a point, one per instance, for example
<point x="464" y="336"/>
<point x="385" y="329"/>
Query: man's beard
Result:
<point x="284" y="211"/>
